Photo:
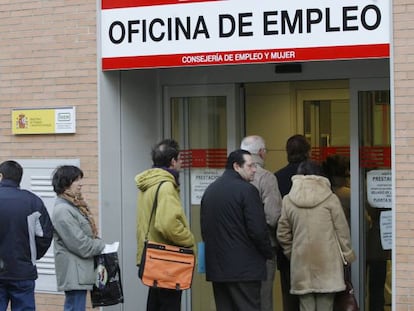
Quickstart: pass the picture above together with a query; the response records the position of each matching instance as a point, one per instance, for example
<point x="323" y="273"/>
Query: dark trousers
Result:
<point x="160" y="299"/>
<point x="236" y="296"/>
<point x="376" y="284"/>
<point x="290" y="302"/>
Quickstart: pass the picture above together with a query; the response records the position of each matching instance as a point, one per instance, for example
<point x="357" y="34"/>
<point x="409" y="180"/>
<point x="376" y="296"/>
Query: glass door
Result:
<point x="371" y="161"/>
<point x="203" y="120"/>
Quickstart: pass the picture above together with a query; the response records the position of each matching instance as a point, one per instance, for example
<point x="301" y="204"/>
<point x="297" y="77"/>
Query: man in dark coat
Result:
<point x="25" y="235"/>
<point x="234" y="230"/>
<point x="297" y="149"/>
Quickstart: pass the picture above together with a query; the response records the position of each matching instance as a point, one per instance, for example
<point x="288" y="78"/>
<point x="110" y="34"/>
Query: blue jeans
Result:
<point x="75" y="300"/>
<point x="19" y="293"/>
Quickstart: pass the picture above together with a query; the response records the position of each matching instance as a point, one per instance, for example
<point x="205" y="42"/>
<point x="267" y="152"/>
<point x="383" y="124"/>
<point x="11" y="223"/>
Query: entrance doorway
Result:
<point x="342" y="117"/>
<point x="204" y="120"/>
<point x="319" y="110"/>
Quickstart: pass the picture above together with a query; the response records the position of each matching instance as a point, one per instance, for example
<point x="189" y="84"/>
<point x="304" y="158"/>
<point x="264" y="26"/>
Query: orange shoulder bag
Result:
<point x="163" y="265"/>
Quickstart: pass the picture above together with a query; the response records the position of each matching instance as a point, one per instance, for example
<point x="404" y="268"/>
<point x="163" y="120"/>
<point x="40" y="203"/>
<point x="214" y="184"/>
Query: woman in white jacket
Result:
<point x="311" y="229"/>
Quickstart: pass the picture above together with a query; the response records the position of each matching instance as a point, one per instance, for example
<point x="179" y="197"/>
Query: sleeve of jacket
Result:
<point x="44" y="235"/>
<point x="76" y="241"/>
<point x="342" y="229"/>
<point x="284" y="230"/>
<point x="256" y="222"/>
<point x="170" y="219"/>
<point x="271" y="198"/>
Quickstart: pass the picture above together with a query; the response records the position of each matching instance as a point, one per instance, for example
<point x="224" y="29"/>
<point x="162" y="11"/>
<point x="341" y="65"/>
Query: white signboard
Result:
<point x="200" y="180"/>
<point x="166" y="33"/>
<point x="379" y="188"/>
<point x="386" y="229"/>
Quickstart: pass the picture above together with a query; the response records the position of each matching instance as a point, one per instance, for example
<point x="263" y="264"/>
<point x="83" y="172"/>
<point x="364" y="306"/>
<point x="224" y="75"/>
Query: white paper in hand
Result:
<point x="111" y="248"/>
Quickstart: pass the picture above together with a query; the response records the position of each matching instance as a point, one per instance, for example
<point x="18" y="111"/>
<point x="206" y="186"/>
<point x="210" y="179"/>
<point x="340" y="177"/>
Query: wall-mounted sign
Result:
<point x="200" y="180"/>
<point x="168" y="33"/>
<point x="44" y="121"/>
<point x="379" y="188"/>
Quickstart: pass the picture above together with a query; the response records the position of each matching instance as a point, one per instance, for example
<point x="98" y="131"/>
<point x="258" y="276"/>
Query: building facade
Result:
<point x="356" y="102"/>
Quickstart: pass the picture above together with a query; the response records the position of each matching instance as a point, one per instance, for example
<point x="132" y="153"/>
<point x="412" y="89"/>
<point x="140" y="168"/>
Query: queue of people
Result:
<point x="250" y="219"/>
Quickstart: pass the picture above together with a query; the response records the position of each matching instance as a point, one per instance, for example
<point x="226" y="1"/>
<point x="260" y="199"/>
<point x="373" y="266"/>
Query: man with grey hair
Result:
<point x="266" y="183"/>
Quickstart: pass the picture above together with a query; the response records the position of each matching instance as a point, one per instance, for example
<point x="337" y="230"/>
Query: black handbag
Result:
<point x="345" y="300"/>
<point x="107" y="290"/>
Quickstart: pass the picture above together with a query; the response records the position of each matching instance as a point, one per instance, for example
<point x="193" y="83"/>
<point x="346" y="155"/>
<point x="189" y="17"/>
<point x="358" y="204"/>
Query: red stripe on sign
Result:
<point x="248" y="57"/>
<point x="118" y="4"/>
<point x="198" y="158"/>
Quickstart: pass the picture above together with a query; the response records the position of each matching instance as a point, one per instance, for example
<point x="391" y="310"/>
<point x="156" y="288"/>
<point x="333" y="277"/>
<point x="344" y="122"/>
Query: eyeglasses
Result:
<point x="251" y="165"/>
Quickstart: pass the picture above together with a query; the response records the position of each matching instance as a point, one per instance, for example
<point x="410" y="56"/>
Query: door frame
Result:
<point x="302" y="95"/>
<point x="235" y="115"/>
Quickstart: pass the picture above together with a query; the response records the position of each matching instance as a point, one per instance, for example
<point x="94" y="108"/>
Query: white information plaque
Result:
<point x="200" y="180"/>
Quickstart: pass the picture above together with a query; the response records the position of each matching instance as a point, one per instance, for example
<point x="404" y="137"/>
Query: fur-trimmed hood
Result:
<point x="312" y="229"/>
<point x="309" y="190"/>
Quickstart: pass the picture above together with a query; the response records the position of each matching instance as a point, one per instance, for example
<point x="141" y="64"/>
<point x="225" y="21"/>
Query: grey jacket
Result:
<point x="74" y="248"/>
<point x="268" y="188"/>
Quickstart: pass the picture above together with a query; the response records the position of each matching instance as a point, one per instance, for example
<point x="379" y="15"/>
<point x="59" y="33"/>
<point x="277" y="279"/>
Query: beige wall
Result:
<point x="48" y="59"/>
<point x="403" y="46"/>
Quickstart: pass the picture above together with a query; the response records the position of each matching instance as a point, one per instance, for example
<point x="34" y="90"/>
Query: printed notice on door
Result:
<point x="386" y="229"/>
<point x="379" y="188"/>
<point x="200" y="180"/>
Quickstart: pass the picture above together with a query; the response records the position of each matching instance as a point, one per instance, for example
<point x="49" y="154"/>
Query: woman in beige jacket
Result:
<point x="311" y="229"/>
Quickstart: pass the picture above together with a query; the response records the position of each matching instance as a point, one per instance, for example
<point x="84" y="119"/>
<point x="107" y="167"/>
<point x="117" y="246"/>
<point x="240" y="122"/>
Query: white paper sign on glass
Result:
<point x="386" y="229"/>
<point x="200" y="180"/>
<point x="379" y="188"/>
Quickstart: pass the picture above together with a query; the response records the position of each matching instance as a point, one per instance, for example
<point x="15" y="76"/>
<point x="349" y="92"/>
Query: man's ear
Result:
<point x="1" y="176"/>
<point x="262" y="153"/>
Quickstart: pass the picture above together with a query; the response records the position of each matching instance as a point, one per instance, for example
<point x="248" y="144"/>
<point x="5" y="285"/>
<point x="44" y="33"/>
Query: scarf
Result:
<point x="80" y="204"/>
<point x="173" y="172"/>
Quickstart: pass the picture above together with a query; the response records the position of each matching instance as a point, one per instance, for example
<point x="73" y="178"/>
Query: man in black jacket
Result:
<point x="25" y="235"/>
<point x="297" y="150"/>
<point x="234" y="230"/>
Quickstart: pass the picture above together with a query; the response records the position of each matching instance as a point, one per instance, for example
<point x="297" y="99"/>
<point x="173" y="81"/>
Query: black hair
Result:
<point x="64" y="176"/>
<point x="336" y="165"/>
<point x="11" y="170"/>
<point x="309" y="167"/>
<point x="297" y="148"/>
<point x="237" y="156"/>
<point x="164" y="152"/>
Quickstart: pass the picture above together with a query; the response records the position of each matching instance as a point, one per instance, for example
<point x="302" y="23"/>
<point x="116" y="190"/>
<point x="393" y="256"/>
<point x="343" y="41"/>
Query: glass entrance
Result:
<point x="204" y="122"/>
<point x="319" y="110"/>
<point x="347" y="117"/>
<point x="376" y="198"/>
